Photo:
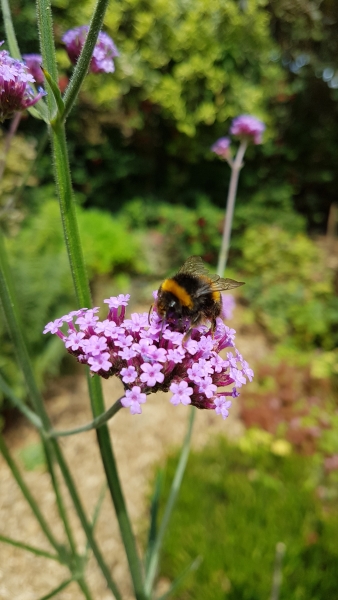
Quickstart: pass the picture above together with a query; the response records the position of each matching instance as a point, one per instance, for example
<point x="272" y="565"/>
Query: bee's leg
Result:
<point x="150" y="311"/>
<point x="213" y="327"/>
<point x="186" y="336"/>
<point x="162" y="326"/>
<point x="193" y="323"/>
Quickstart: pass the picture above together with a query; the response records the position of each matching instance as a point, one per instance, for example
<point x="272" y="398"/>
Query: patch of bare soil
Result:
<point x="140" y="443"/>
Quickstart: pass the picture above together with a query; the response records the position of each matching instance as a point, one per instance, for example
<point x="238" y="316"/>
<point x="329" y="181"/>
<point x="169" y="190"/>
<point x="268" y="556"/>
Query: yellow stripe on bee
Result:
<point x="216" y="296"/>
<point x="169" y="285"/>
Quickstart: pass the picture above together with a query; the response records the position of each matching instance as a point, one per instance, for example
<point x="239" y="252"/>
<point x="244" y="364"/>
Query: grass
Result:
<point x="233" y="508"/>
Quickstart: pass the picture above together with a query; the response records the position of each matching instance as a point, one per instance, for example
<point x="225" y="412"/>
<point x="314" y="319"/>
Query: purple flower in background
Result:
<point x="228" y="305"/>
<point x="222" y="147"/>
<point x="103" y="54"/>
<point x="16" y="93"/>
<point x="33" y="63"/>
<point x="148" y="357"/>
<point x="247" y="126"/>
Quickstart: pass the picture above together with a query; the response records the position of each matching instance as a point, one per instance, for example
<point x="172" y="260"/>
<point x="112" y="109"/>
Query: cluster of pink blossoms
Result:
<point x="149" y="356"/>
<point x="247" y="126"/>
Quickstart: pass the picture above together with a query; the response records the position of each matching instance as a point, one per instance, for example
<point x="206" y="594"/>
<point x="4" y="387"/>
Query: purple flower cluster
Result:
<point x="247" y="126"/>
<point x="151" y="356"/>
<point x="33" y="63"/>
<point x="104" y="51"/>
<point x="16" y="94"/>
<point x="222" y="147"/>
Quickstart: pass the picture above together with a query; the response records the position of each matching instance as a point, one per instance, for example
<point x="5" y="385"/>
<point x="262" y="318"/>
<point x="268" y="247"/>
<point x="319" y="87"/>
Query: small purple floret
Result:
<point x="222" y="147"/>
<point x="33" y="63"/>
<point x="181" y="393"/>
<point x="247" y="126"/>
<point x="103" y="54"/>
<point x="148" y="357"/>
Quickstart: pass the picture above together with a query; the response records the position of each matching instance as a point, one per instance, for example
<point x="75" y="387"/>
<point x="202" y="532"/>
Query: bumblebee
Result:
<point x="192" y="296"/>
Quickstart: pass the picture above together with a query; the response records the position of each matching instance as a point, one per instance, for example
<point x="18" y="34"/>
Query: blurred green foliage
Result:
<point x="290" y="287"/>
<point x="194" y="64"/>
<point x="16" y="173"/>
<point x="185" y="231"/>
<point x="234" y="506"/>
<point x="184" y="71"/>
<point x="43" y="282"/>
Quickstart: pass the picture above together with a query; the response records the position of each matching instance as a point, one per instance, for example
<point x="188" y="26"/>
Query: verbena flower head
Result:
<point x="222" y="147"/>
<point x="151" y="356"/>
<point x="33" y="63"/>
<point x="16" y="93"/>
<point x="104" y="51"/>
<point x="247" y="126"/>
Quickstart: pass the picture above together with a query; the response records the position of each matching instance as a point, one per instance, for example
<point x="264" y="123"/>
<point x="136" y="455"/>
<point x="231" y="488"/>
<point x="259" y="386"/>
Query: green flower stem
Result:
<point x="175" y="584"/>
<point x="84" y="522"/>
<point x="58" y="497"/>
<point x="68" y="215"/>
<point x="96" y="513"/>
<point x="29" y="414"/>
<point x="95" y="424"/>
<point x="72" y="238"/>
<point x="45" y="25"/>
<point x="55" y="90"/>
<point x="9" y="306"/>
<point x="29" y="548"/>
<point x="58" y="589"/>
<point x="115" y="488"/>
<point x="82" y="64"/>
<point x="81" y="285"/>
<point x="84" y="588"/>
<point x="175" y="487"/>
<point x="277" y="571"/>
<point x="28" y="496"/>
<point x="235" y="169"/>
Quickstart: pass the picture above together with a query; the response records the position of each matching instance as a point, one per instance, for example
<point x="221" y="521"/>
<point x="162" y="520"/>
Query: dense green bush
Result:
<point x="290" y="287"/>
<point x="185" y="231"/>
<point x="234" y="507"/>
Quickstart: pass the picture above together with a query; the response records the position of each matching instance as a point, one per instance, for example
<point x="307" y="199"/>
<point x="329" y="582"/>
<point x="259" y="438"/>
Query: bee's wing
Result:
<point x="194" y="266"/>
<point x="219" y="284"/>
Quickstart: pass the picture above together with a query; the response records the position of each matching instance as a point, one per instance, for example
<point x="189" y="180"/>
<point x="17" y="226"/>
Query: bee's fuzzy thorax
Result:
<point x="170" y="285"/>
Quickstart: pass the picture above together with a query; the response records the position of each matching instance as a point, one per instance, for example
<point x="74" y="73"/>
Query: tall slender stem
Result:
<point x="58" y="497"/>
<point x="28" y="496"/>
<point x="235" y="169"/>
<point x="81" y="284"/>
<point x="175" y="486"/>
<point x="95" y="424"/>
<point x="82" y="64"/>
